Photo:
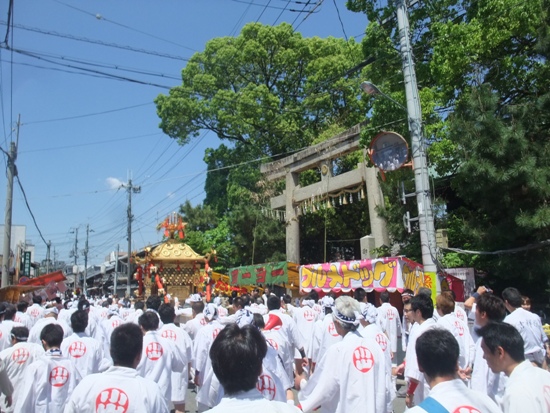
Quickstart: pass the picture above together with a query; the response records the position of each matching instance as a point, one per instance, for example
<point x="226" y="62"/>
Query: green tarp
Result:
<point x="270" y="273"/>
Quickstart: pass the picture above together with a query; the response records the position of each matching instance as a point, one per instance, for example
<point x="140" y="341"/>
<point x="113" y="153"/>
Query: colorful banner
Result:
<point x="392" y="274"/>
<point x="271" y="273"/>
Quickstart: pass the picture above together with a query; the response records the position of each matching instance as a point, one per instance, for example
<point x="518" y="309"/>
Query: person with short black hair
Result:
<point x="527" y="388"/>
<point x="422" y="308"/>
<point x="35" y="311"/>
<point x="84" y="351"/>
<point x="488" y="308"/>
<point x="120" y="388"/>
<point x="437" y="351"/>
<point x="184" y="346"/>
<point x="21" y="315"/>
<point x="159" y="357"/>
<point x="49" y="381"/>
<point x="237" y="354"/>
<point x="528" y="325"/>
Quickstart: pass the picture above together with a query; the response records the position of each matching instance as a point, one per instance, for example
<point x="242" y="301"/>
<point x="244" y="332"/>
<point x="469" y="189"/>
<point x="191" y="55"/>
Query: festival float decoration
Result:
<point x="172" y="267"/>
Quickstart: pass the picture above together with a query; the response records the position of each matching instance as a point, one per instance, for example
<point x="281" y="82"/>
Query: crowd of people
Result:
<point x="269" y="353"/>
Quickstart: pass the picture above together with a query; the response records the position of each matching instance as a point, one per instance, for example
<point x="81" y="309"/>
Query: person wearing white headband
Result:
<point x="351" y="377"/>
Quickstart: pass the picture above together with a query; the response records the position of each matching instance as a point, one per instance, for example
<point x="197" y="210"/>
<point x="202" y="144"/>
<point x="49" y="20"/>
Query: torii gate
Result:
<point x="321" y="156"/>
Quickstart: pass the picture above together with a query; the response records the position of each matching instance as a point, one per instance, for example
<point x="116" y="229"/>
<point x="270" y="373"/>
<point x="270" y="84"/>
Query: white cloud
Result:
<point x="114" y="183"/>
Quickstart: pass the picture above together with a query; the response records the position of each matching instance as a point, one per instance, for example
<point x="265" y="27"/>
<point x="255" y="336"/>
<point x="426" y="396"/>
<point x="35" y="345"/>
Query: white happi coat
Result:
<point x="459" y="329"/>
<point x="305" y="318"/>
<point x="412" y="370"/>
<point x="351" y="377"/>
<point x="251" y="401"/>
<point x="5" y="338"/>
<point x="274" y="381"/>
<point x="484" y="380"/>
<point x="119" y="389"/>
<point x="159" y="359"/>
<point x="47" y="384"/>
<point x="390" y="323"/>
<point x="193" y="326"/>
<point x="107" y="327"/>
<point x="278" y="341"/>
<point x="324" y="335"/>
<point x="35" y="312"/>
<point x="527" y="390"/>
<point x="86" y="353"/>
<point x="530" y="328"/>
<point x="15" y="360"/>
<point x="209" y="389"/>
<point x="289" y="329"/>
<point x="374" y="332"/>
<point x="23" y="318"/>
<point x="456" y="397"/>
<point x="184" y="346"/>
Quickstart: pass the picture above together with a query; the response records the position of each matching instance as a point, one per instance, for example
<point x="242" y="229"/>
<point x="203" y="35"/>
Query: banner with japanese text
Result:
<point x="270" y="273"/>
<point x="392" y="274"/>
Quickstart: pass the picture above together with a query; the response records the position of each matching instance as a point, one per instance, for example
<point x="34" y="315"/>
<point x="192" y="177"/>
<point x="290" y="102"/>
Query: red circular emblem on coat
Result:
<point x="154" y="351"/>
<point x="459" y="328"/>
<point x="112" y="400"/>
<point x="35" y="313"/>
<point x="115" y="323"/>
<point x="332" y="330"/>
<point x="20" y="356"/>
<point x="59" y="376"/>
<point x="273" y="343"/>
<point x="381" y="339"/>
<point x="309" y="315"/>
<point x="266" y="386"/>
<point x="390" y="315"/>
<point x="466" y="409"/>
<point x="77" y="349"/>
<point x="169" y="334"/>
<point x="203" y="321"/>
<point x="363" y="359"/>
<point x="460" y="315"/>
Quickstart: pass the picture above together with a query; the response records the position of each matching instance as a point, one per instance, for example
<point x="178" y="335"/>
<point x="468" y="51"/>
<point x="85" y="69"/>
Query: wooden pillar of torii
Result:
<point x="321" y="156"/>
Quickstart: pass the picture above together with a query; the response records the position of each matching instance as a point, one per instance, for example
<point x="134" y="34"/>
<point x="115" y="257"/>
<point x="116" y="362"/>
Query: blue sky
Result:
<point x="84" y="133"/>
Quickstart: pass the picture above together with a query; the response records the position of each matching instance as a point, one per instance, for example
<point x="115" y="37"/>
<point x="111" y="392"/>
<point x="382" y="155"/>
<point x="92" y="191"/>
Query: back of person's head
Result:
<point x="22" y="306"/>
<point x="499" y="334"/>
<point x="37" y="299"/>
<point x="197" y="307"/>
<point x="20" y="334"/>
<point x="273" y="303"/>
<point x="11" y="310"/>
<point x="83" y="305"/>
<point x="258" y="320"/>
<point x="110" y="301"/>
<point x="79" y="321"/>
<point x="167" y="313"/>
<point x="52" y="334"/>
<point x="359" y="294"/>
<point x="385" y="297"/>
<point x="424" y="291"/>
<point x="153" y="302"/>
<point x="149" y="321"/>
<point x="237" y="354"/>
<point x="513" y="296"/>
<point x="139" y="305"/>
<point x="437" y="352"/>
<point x="245" y="300"/>
<point x="238" y="302"/>
<point x="314" y="295"/>
<point x="445" y="303"/>
<point x="423" y="303"/>
<point x="126" y="344"/>
<point x="492" y="306"/>
<point x="287" y="299"/>
<point x="344" y="311"/>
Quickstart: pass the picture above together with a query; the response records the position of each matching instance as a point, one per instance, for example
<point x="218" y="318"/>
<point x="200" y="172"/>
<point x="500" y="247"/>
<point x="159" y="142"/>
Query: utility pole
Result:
<point x="420" y="164"/>
<point x="136" y="190"/>
<point x="74" y="253"/>
<point x="85" y="252"/>
<point x="115" y="284"/>
<point x="11" y="173"/>
<point x="48" y="245"/>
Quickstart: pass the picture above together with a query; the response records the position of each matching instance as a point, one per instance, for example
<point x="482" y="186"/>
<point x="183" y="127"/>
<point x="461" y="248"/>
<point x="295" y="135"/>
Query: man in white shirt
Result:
<point x="50" y="380"/>
<point x="351" y="377"/>
<point x="528" y="325"/>
<point x="388" y="320"/>
<point x="237" y="354"/>
<point x="437" y="351"/>
<point x="35" y="311"/>
<point x="198" y="321"/>
<point x="120" y="388"/>
<point x="528" y="387"/>
<point x="21" y="316"/>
